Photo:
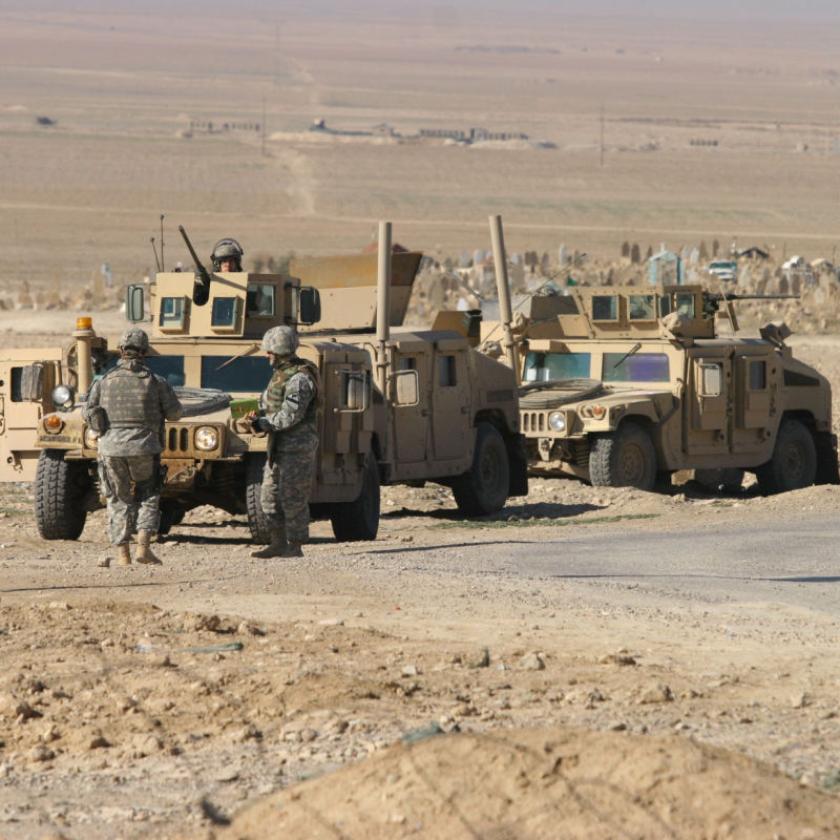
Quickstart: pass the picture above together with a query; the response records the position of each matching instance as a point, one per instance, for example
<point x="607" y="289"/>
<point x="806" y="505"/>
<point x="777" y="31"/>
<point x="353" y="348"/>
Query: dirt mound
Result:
<point x="546" y="784"/>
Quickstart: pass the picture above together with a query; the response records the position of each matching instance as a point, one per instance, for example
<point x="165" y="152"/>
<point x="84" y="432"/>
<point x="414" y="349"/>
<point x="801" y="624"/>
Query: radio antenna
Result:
<point x="162" y="263"/>
<point x="154" y="248"/>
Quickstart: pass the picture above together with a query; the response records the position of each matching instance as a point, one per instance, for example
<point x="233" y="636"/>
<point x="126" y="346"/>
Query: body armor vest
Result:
<point x="275" y="393"/>
<point x="131" y="399"/>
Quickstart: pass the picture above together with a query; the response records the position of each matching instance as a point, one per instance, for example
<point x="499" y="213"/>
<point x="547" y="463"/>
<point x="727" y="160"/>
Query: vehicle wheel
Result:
<point x="60" y="490"/>
<point x="728" y="480"/>
<point x="257" y="521"/>
<point x="794" y="462"/>
<point x="625" y="458"/>
<point x="484" y="489"/>
<point x="171" y="514"/>
<point x="359" y="519"/>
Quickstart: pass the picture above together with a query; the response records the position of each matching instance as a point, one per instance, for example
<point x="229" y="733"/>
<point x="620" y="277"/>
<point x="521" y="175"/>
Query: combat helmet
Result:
<point x="226" y="249"/>
<point x="134" y="339"/>
<point x="282" y="341"/>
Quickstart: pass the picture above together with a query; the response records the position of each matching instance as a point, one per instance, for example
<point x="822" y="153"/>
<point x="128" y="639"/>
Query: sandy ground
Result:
<point x="464" y="678"/>
<point x="161" y="701"/>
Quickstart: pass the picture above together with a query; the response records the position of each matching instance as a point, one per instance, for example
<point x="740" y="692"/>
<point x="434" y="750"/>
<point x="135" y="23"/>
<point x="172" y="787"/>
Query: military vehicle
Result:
<point x="622" y="386"/>
<point x="398" y="405"/>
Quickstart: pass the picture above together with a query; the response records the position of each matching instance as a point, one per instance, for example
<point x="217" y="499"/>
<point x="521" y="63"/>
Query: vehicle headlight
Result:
<point x="62" y="396"/>
<point x="206" y="438"/>
<point x="91" y="439"/>
<point x="557" y="421"/>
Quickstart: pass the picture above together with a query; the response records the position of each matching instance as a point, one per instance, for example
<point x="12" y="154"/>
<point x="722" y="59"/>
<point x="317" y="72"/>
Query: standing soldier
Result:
<point x="128" y="407"/>
<point x="289" y="409"/>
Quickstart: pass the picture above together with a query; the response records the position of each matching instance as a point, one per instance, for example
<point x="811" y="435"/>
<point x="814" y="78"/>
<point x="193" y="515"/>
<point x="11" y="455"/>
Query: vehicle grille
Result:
<point x="533" y="421"/>
<point x="177" y="439"/>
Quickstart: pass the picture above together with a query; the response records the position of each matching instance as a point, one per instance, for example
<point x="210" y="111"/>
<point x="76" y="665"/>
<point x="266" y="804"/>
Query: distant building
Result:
<point x="666" y="268"/>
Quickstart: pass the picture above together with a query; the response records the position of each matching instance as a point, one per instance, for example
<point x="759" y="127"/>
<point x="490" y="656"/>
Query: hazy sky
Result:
<point x="707" y="10"/>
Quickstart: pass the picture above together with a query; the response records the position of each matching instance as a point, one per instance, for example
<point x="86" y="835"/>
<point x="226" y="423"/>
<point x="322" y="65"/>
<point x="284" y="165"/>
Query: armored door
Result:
<point x="18" y="415"/>
<point x="450" y="404"/>
<point x="756" y="397"/>
<point x="708" y="402"/>
<point x="411" y="422"/>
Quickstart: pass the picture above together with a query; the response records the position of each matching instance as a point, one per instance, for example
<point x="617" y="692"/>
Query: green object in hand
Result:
<point x="240" y="408"/>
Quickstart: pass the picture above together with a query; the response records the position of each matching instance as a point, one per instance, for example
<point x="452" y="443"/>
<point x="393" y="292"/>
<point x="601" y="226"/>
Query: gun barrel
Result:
<point x="190" y="248"/>
<point x="201" y="286"/>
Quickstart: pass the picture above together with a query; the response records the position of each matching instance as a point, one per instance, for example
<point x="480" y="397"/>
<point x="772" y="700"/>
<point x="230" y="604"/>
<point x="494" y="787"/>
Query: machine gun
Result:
<point x="201" y="287"/>
<point x="713" y="300"/>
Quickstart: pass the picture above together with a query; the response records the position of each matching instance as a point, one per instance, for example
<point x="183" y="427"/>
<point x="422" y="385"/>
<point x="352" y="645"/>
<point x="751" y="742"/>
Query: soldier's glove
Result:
<point x="261" y="424"/>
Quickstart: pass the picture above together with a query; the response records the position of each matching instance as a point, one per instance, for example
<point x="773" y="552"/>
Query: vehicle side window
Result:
<point x="685" y="304"/>
<point x="642" y="307"/>
<point x="172" y="312"/>
<point x="604" y="308"/>
<point x="758" y="376"/>
<point x="446" y="371"/>
<point x="17" y="378"/>
<point x="260" y="300"/>
<point x="224" y="312"/>
<point x="711" y="379"/>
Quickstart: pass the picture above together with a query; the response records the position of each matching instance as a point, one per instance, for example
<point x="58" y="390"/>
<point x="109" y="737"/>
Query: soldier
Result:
<point x="289" y="407"/>
<point x="227" y="255"/>
<point x="128" y="407"/>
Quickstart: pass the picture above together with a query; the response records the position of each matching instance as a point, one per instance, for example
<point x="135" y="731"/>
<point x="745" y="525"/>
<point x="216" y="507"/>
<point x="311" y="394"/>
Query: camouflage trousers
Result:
<point x="131" y="487"/>
<point x="284" y="494"/>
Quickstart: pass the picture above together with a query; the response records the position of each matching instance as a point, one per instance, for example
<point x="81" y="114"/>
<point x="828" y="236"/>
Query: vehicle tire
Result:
<point x="171" y="514"/>
<point x="727" y="480"/>
<point x="794" y="462"/>
<point x="257" y="521"/>
<point x="484" y="489"/>
<point x="624" y="458"/>
<point x="60" y="490"/>
<point x="359" y="520"/>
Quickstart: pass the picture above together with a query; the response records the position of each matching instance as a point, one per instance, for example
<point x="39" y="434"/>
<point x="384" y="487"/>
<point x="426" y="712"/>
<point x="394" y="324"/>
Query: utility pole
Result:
<point x="262" y="125"/>
<point x="602" y="134"/>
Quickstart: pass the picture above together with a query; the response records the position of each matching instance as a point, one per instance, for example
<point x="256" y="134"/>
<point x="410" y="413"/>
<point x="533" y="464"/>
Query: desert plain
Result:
<point x="590" y="663"/>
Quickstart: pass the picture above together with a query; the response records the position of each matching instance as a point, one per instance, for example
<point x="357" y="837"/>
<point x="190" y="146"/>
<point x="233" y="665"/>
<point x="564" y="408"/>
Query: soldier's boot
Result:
<point x="144" y="552"/>
<point x="276" y="548"/>
<point x="123" y="554"/>
<point x="293" y="549"/>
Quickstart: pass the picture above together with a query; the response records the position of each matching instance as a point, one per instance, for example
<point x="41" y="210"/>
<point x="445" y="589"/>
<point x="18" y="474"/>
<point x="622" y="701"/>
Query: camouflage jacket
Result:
<point x="136" y="403"/>
<point x="290" y="404"/>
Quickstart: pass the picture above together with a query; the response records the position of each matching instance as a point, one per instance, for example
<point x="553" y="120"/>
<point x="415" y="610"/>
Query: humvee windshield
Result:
<point x="246" y="374"/>
<point x="171" y="368"/>
<point x="640" y="367"/>
<point x="548" y="367"/>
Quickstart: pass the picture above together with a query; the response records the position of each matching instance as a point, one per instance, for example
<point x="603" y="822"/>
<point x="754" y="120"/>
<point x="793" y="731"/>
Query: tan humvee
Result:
<point x="621" y="385"/>
<point x="397" y="406"/>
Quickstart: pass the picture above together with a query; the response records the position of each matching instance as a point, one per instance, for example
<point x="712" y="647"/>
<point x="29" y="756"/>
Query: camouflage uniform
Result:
<point x="290" y="407"/>
<point x="136" y="402"/>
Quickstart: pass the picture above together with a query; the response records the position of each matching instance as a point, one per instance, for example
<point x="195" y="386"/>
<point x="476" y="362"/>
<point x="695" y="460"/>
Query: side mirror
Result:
<point x="32" y="382"/>
<point x="309" y="306"/>
<point x="407" y="390"/>
<point x="135" y="303"/>
<point x="355" y="392"/>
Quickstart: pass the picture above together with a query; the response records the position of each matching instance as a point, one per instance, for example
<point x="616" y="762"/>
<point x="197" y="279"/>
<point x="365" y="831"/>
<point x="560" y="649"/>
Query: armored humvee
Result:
<point x="622" y="385"/>
<point x="399" y="405"/>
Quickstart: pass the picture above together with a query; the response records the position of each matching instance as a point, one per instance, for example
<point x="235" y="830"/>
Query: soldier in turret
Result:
<point x="128" y="407"/>
<point x="289" y="407"/>
<point x="227" y="255"/>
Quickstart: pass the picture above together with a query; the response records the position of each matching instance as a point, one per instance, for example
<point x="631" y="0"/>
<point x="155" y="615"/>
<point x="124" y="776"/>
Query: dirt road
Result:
<point x="711" y="620"/>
